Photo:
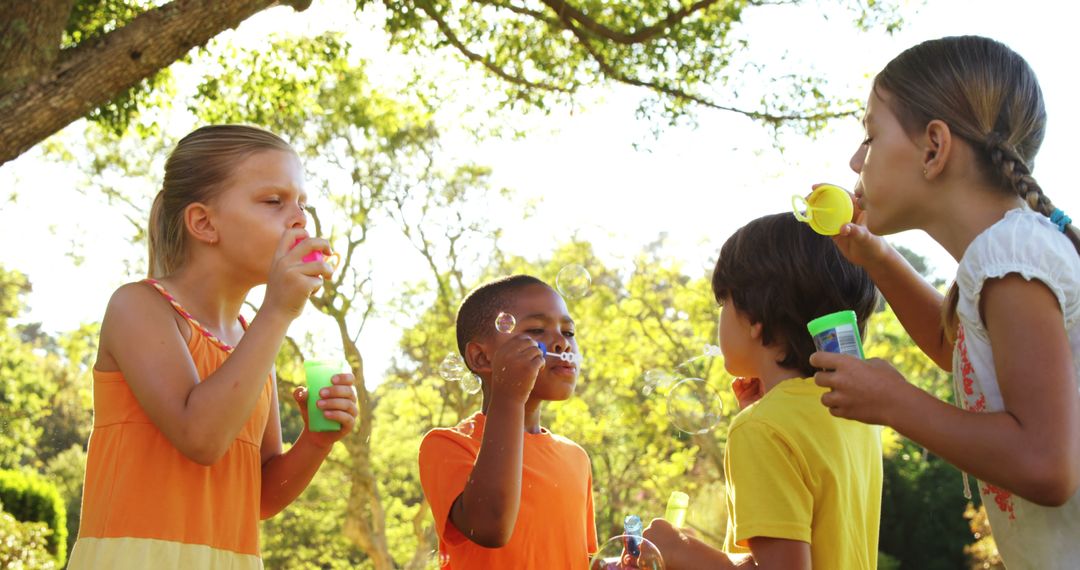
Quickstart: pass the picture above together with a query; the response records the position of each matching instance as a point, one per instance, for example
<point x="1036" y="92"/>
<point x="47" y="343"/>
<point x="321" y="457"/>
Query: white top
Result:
<point x="1026" y="243"/>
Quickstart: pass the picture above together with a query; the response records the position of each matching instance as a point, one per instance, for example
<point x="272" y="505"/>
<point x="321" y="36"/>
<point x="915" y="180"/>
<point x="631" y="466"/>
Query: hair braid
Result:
<point x="1016" y="173"/>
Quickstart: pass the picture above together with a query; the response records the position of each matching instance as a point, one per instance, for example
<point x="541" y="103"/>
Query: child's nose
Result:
<point x="299" y="218"/>
<point x="560" y="343"/>
<point x="856" y="162"/>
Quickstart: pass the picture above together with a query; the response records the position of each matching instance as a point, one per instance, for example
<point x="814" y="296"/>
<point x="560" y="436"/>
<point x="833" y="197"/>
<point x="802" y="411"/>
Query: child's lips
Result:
<point x="566" y="369"/>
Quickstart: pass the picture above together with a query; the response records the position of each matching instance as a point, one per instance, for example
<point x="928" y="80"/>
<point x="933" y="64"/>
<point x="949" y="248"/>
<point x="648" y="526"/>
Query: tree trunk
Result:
<point x="365" y="520"/>
<point x="30" y="34"/>
<point x="89" y="75"/>
<point x="426" y="541"/>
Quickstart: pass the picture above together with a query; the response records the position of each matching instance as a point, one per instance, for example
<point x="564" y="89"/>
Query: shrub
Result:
<point x="30" y="498"/>
<point x="22" y="545"/>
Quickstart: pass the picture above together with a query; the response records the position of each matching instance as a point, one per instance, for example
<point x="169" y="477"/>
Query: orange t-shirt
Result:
<point x="554" y="526"/>
<point x="146" y="505"/>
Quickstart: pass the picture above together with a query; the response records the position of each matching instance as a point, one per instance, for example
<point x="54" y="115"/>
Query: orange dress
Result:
<point x="146" y="505"/>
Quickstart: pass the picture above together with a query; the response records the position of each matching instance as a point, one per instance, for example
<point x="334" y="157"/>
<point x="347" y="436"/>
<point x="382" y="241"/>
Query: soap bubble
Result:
<point x="657" y="378"/>
<point x="505" y="323"/>
<point x="615" y="554"/>
<point x="437" y="560"/>
<point x="694" y="407"/>
<point x="698" y="365"/>
<point x="470" y="383"/>
<point x="452" y="367"/>
<point x="573" y="281"/>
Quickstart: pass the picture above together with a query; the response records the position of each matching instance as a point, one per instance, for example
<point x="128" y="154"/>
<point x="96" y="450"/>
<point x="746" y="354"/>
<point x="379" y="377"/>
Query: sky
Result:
<point x="601" y="175"/>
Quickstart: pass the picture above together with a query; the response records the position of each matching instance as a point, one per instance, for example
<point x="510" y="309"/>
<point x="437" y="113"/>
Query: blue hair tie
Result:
<point x="1059" y="218"/>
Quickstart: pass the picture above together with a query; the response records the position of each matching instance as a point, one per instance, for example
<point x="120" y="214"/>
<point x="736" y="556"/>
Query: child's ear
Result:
<point x="755" y="331"/>
<point x="477" y="358"/>
<point x="938" y="147"/>
<point x="199" y="224"/>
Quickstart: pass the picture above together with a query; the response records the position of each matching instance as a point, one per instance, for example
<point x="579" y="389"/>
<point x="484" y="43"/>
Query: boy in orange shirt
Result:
<point x="506" y="492"/>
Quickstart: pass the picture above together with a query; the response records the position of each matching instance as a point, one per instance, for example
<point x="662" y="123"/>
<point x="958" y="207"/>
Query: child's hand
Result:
<point x="747" y="391"/>
<point x="514" y="368"/>
<point x="291" y="281"/>
<point x="856" y="242"/>
<point x="670" y="541"/>
<point x="860" y="246"/>
<point x="338" y="403"/>
<point x="865" y="391"/>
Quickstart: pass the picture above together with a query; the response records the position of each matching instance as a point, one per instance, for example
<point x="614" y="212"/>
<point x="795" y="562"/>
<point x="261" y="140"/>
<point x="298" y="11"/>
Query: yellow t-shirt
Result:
<point x="796" y="472"/>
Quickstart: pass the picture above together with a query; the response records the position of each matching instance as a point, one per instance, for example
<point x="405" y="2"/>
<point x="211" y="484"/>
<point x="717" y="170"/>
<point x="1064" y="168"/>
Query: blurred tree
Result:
<point x="45" y="399"/>
<point x="24" y="387"/>
<point x="983" y="553"/>
<point x="61" y="60"/>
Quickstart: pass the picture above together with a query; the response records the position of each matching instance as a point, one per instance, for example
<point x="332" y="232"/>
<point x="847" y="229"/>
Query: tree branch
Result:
<point x="477" y="58"/>
<point x="523" y="11"/>
<point x="95" y="73"/>
<point x="612" y="73"/>
<point x="565" y="11"/>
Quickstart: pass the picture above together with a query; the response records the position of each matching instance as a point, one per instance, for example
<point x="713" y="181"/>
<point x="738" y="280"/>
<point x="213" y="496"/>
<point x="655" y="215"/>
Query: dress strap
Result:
<point x="194" y="322"/>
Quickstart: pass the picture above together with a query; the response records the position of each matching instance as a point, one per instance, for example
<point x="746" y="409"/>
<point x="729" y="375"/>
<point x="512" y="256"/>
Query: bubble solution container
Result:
<point x="827" y="209"/>
<point x="837" y="332"/>
<point x="318" y="374"/>
<point x="677" y="504"/>
<point x="333" y="259"/>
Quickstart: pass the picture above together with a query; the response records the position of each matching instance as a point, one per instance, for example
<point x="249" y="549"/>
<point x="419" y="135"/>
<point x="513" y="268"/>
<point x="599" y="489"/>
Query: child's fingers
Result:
<point x="314" y="284"/>
<point x="660" y="523"/>
<point x="836" y="411"/>
<point x="748" y="385"/>
<point x="529" y="349"/>
<point x="344" y="379"/>
<point x="528" y="343"/>
<point x="859" y="233"/>
<point x="288" y="240"/>
<point x="860" y="217"/>
<point x="317" y="244"/>
<point x="300" y="395"/>
<point x="825" y="379"/>
<point x="852" y="231"/>
<point x="305" y="245"/>
<point x="318" y="269"/>
<point x="827" y="360"/>
<point x="338" y="407"/>
<point x="836" y="403"/>
<point x="346" y="392"/>
<point x="831" y="399"/>
<point x="346" y="420"/>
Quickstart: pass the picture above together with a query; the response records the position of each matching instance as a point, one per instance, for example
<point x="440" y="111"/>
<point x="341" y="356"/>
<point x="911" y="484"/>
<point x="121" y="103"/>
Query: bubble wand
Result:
<point x="570" y="357"/>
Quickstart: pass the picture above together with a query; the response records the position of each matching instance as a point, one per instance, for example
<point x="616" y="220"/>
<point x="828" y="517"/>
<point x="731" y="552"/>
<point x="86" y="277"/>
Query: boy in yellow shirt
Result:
<point x="804" y="487"/>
